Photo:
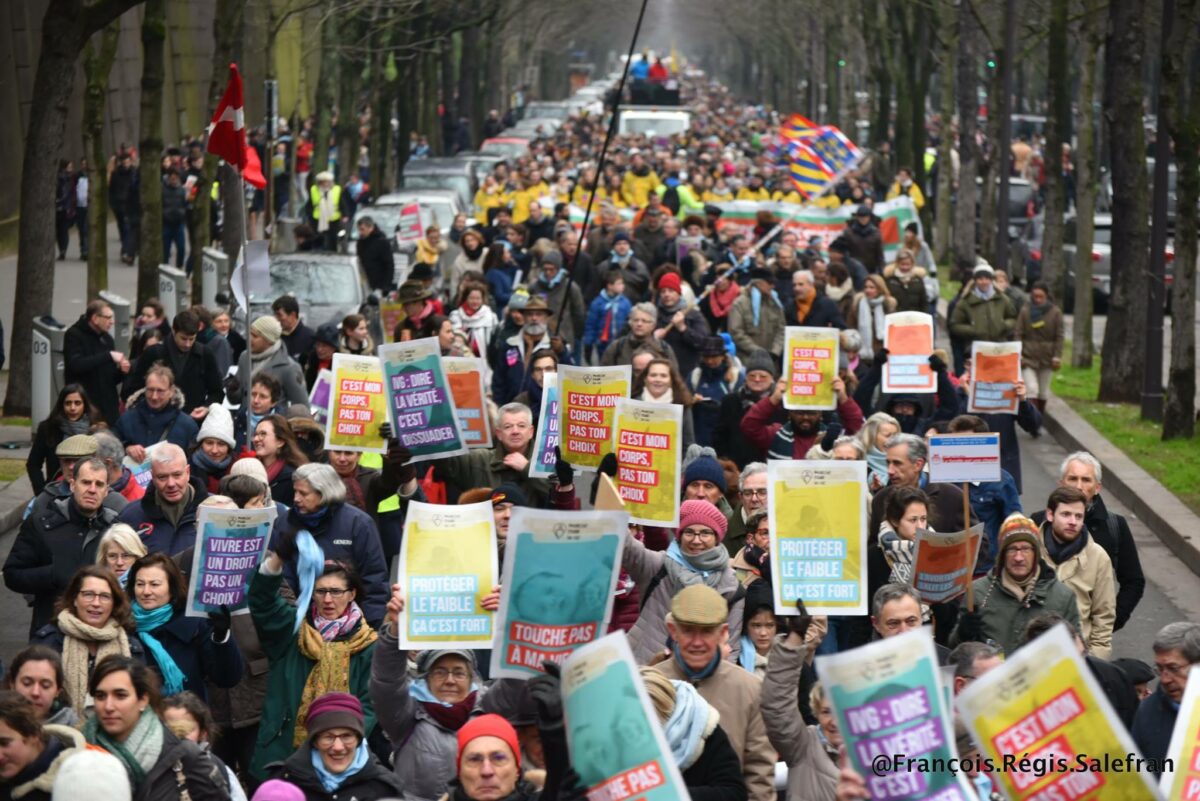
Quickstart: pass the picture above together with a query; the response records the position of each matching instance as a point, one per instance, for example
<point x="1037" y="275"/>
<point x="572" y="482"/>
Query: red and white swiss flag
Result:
<point x="227" y="131"/>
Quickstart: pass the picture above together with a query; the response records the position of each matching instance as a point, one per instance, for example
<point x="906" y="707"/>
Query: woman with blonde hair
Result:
<point x="867" y="312"/>
<point x="879" y="428"/>
<point x="119" y="548"/>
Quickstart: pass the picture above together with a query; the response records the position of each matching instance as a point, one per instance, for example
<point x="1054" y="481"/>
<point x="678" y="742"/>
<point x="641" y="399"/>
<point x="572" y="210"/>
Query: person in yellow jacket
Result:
<point x="718" y="193"/>
<point x="639" y="181"/>
<point x="787" y="194"/>
<point x="528" y="190"/>
<point x="491" y="195"/>
<point x="326" y="207"/>
<point x="754" y="190"/>
<point x="905" y="185"/>
<point x="616" y="194"/>
<point x="584" y="188"/>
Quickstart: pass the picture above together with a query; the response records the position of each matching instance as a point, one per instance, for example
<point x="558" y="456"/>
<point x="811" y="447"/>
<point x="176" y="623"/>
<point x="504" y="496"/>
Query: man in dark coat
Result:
<point x="52" y="545"/>
<point x="374" y="251"/>
<point x="165" y="517"/>
<point x="864" y="239"/>
<point x="298" y="338"/>
<point x="195" y="369"/>
<point x="1176" y="650"/>
<point x="91" y="359"/>
<point x="810" y="307"/>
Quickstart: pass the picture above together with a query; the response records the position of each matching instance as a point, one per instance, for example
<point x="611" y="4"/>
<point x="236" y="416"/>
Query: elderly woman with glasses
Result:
<point x="317" y="647"/>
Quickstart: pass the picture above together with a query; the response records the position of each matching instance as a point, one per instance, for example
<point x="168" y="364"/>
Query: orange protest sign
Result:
<point x="944" y="563"/>
<point x="465" y="377"/>
<point x="908" y="337"/>
<point x="995" y="371"/>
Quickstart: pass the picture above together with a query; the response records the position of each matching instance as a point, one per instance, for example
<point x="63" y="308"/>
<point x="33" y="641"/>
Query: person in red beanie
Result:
<point x="680" y="325"/>
<point x="335" y="761"/>
<point x="696" y="556"/>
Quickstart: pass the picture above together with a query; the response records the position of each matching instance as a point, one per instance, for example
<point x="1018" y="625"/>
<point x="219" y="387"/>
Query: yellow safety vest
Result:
<point x="335" y="195"/>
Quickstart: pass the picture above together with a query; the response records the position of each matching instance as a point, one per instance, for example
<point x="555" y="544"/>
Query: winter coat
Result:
<point x="196" y="373"/>
<point x="345" y="533"/>
<point x="282" y="490"/>
<point x="141" y="425"/>
<point x="908" y="291"/>
<point x="717" y="774"/>
<point x="767" y="334"/>
<point x="485" y="467"/>
<point x="155" y="530"/>
<point x="375" y="256"/>
<point x="1089" y="574"/>
<point x="48" y="550"/>
<point x="762" y="429"/>
<point x="1112" y="532"/>
<point x="866" y="244"/>
<point x="204" y="776"/>
<point x="621" y="351"/>
<point x="174" y="205"/>
<point x="1117" y="687"/>
<point x="822" y="314"/>
<point x="736" y="695"/>
<point x="862" y="319"/>
<point x="42" y="464"/>
<point x="300" y="344"/>
<point x="509" y="362"/>
<point x="648" y="637"/>
<point x="978" y="320"/>
<point x="423" y="750"/>
<point x="188" y="640"/>
<point x="1153" y="724"/>
<point x="373" y="782"/>
<point x="1005" y="616"/>
<point x="1041" y="341"/>
<point x="811" y="773"/>
<point x="636" y="275"/>
<point x="714" y="386"/>
<point x="594" y="329"/>
<point x="574" y="313"/>
<point x="36" y="781"/>
<point x="87" y="361"/>
<point x="274" y="620"/>
<point x="283" y="368"/>
<point x="480" y="328"/>
<point x="686" y="343"/>
<point x="728" y="439"/>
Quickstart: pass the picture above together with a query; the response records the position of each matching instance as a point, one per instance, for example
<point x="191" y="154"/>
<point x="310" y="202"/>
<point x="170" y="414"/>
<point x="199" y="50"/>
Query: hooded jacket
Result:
<point x="141" y="425"/>
<point x="908" y="290"/>
<point x="978" y="320"/>
<point x="36" y="781"/>
<point x="196" y="372"/>
<point x="811" y="773"/>
<point x="1005" y="616"/>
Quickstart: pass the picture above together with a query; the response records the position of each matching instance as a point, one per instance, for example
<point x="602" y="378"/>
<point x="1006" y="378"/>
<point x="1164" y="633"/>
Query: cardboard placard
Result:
<point x="319" y="397"/>
<point x="810" y="364"/>
<point x="908" y="337"/>
<point x="465" y="376"/>
<point x="649" y="449"/>
<point x="995" y="371"/>
<point x="230" y="544"/>
<point x="547" y="437"/>
<point x="419" y="401"/>
<point x="587" y="409"/>
<point x="944" y="564"/>
<point x="358" y="407"/>
<point x="963" y="458"/>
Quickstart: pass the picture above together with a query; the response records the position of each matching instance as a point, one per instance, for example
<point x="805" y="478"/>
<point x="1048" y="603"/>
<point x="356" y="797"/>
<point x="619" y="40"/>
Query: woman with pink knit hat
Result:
<point x="695" y="556"/>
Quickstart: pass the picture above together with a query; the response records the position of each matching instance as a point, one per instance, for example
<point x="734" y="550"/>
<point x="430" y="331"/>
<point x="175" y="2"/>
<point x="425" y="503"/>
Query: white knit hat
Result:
<point x="218" y="424"/>
<point x="92" y="773"/>
<point x="250" y="466"/>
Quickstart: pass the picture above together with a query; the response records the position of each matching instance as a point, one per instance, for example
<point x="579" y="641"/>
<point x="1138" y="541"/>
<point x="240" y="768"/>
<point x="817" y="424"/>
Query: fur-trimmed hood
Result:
<point x="177" y="399"/>
<point x="72" y="741"/>
<point x="890" y="270"/>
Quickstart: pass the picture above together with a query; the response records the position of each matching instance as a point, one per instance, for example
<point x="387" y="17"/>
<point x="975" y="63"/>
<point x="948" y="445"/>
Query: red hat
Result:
<point x="702" y="513"/>
<point x="670" y="281"/>
<point x="335" y="711"/>
<point x="487" y="726"/>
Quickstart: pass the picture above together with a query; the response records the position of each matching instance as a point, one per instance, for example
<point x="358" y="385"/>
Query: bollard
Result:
<point x="214" y="276"/>
<point x="172" y="290"/>
<point x="46" y="369"/>
<point x="122" y="331"/>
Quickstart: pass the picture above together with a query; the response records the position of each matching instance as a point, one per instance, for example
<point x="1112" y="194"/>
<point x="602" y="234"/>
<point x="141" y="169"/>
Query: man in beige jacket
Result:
<point x="1084" y="566"/>
<point x="698" y="625"/>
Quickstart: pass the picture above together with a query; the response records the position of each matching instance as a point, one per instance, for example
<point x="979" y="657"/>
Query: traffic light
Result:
<point x="991" y="63"/>
<point x="841" y="62"/>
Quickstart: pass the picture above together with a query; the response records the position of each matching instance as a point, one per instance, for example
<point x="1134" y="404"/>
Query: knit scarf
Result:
<point x="110" y="639"/>
<point x="991" y="292"/>
<point x="748" y="657"/>
<point x="877" y="465"/>
<point x="1060" y="552"/>
<point x="803" y="307"/>
<point x="756" y="302"/>
<point x="720" y="301"/>
<point x="258" y="360"/>
<point x="140" y="750"/>
<point x="620" y="260"/>
<point x="1021" y="590"/>
<point x="174" y="511"/>
<point x="449" y="716"/>
<point x="337" y="628"/>
<point x="332" y="781"/>
<point x="707" y="567"/>
<point x="427" y="253"/>
<point x="691" y="722"/>
<point x="146" y="622"/>
<point x="331" y="673"/>
<point x="836" y="293"/>
<point x="555" y="281"/>
<point x="611" y="303"/>
<point x="871" y="309"/>
<point x="667" y="397"/>
<point x="354" y="491"/>
<point x="325" y="211"/>
<point x="1037" y="313"/>
<point x="210" y="469"/>
<point x="70" y="428"/>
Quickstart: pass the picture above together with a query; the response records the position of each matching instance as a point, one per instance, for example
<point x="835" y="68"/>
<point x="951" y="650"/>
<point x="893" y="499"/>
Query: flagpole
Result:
<point x="245" y="286"/>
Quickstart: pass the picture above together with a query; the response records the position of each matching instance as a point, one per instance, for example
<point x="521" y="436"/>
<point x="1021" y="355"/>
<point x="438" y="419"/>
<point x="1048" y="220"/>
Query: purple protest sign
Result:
<point x="230" y="543"/>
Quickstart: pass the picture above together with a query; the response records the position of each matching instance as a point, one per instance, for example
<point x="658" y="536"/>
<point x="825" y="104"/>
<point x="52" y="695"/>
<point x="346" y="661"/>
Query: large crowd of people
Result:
<point x="234" y="706"/>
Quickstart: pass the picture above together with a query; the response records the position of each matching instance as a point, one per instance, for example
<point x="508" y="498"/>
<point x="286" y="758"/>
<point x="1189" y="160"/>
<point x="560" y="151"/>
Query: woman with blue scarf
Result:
<point x="879" y="428"/>
<point x="334" y="761"/>
<point x="186" y="652"/>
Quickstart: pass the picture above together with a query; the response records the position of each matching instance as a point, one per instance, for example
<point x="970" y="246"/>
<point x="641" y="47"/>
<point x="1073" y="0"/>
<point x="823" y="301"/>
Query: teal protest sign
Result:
<point x="546" y="439"/>
<point x="560" y="573"/>
<point x="889" y="701"/>
<point x="613" y="733"/>
<point x="420" y="404"/>
<point x="229" y="546"/>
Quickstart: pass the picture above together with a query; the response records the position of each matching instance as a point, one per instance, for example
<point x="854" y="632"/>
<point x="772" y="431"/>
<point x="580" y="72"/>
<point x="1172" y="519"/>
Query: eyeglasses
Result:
<point x="1178" y="671"/>
<point x="91" y="595"/>
<point x="327" y="739"/>
<point x="688" y="534"/>
<point x="498" y="759"/>
<point x="335" y="594"/>
<point x="754" y="493"/>
<point x="441" y="674"/>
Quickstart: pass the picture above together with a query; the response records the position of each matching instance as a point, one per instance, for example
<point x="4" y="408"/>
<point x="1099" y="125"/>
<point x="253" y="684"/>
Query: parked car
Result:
<point x="552" y="109"/>
<point x="509" y="144"/>
<point x="482" y="164"/>
<point x="441" y="173"/>
<point x="328" y="287"/>
<point x="438" y="206"/>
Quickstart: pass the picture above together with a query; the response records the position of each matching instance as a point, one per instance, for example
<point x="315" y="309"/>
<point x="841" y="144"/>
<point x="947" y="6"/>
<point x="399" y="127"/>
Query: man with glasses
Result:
<point x="506" y="462"/>
<point x="1019" y="587"/>
<point x="971" y="660"/>
<point x="1176" y="650"/>
<point x="895" y="610"/>
<point x="91" y="358"/>
<point x="752" y="497"/>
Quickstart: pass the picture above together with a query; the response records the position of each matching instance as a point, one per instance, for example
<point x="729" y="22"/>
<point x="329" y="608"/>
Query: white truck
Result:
<point x="653" y="120"/>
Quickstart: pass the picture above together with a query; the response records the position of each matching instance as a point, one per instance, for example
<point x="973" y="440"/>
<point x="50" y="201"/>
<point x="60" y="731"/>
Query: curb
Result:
<point x="13" y="500"/>
<point x="1164" y="514"/>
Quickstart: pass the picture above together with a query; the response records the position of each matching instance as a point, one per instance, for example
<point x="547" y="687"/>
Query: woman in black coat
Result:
<point x="73" y="414"/>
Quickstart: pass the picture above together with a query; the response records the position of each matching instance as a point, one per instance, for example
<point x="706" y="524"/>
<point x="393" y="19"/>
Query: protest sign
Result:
<point x="1181" y="774"/>
<point x="613" y="735"/>
<point x="995" y="371"/>
<point x="408" y="228"/>
<point x="448" y="563"/>
<point x="649" y="449"/>
<point x="810" y="363"/>
<point x="587" y="410"/>
<point x="962" y="458"/>
<point x="684" y="245"/>
<point x="140" y="471"/>
<point x="465" y="377"/>
<point x="889" y="702"/>
<point x="358" y="406"/>
<point x="420" y="403"/>
<point x="819" y="537"/>
<point x="230" y="543"/>
<point x="944" y="564"/>
<point x="1049" y="730"/>
<point x="547" y="436"/>
<point x="908" y="337"/>
<point x="318" y="399"/>
<point x="560" y="573"/>
<point x="391" y="314"/>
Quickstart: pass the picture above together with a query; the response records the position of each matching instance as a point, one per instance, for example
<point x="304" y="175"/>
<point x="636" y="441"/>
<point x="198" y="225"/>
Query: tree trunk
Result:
<point x="97" y="64"/>
<point x="326" y="91"/>
<point x="1179" y="412"/>
<point x="966" y="87"/>
<point x="1086" y="162"/>
<point x="1121" y="365"/>
<point x="467" y="78"/>
<point x="150" y="147"/>
<point x="945" y="177"/>
<point x="349" y="70"/>
<point x="991" y="178"/>
<point x="1057" y="85"/>
<point x="66" y="27"/>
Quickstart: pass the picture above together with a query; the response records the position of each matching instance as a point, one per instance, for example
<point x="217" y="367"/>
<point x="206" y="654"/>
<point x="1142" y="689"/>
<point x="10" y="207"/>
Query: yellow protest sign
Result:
<point x="648" y="451"/>
<point x="358" y="406"/>
<point x="810" y="363"/>
<point x="1181" y="771"/>
<point x="587" y="411"/>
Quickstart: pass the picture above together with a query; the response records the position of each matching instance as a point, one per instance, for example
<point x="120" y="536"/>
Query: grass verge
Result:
<point x="1174" y="464"/>
<point x="11" y="470"/>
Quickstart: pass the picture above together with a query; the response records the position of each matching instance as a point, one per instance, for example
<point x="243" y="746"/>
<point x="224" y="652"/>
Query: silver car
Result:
<point x="1101" y="256"/>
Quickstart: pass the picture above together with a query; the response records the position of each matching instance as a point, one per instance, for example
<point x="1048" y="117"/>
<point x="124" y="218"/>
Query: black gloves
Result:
<point x="970" y="626"/>
<point x="221" y="622"/>
<point x="608" y="466"/>
<point x="285" y="545"/>
<point x="572" y="788"/>
<point x="881" y="356"/>
<point x="831" y="434"/>
<point x="799" y="624"/>
<point x="562" y="469"/>
<point x="546" y="692"/>
<point x="399" y="459"/>
<point x="936" y="363"/>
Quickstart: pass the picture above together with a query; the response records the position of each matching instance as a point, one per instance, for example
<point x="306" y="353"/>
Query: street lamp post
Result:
<point x="1152" y="390"/>
<point x="1003" y="108"/>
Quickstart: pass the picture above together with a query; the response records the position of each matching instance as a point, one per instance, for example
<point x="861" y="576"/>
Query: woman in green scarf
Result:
<point x="125" y="723"/>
